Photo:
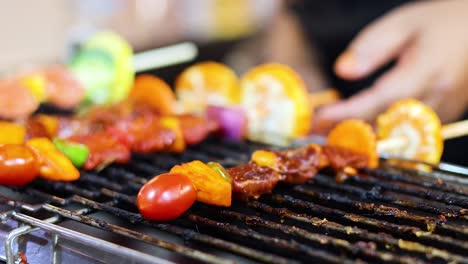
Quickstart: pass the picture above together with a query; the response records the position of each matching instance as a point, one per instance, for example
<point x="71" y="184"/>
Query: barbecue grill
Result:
<point x="390" y="214"/>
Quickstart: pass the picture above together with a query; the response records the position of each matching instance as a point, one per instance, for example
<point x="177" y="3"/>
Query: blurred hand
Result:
<point x="429" y="41"/>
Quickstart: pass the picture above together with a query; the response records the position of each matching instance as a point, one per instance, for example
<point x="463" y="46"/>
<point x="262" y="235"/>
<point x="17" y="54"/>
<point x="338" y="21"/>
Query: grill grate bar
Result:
<point x="197" y="219"/>
<point x="418" y="191"/>
<point x="293" y="248"/>
<point x="289" y="246"/>
<point x="377" y="237"/>
<point x="386" y="240"/>
<point x="400" y="174"/>
<point x="187" y="234"/>
<point x="360" y="249"/>
<point x="432" y="223"/>
<point x="338" y="215"/>
<point x="186" y="251"/>
<point x="403" y="244"/>
<point x="376" y="193"/>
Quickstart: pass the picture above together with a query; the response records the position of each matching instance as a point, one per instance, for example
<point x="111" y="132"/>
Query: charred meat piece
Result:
<point x="251" y="181"/>
<point x="58" y="126"/>
<point x="145" y="134"/>
<point x="196" y="129"/>
<point x="104" y="147"/>
<point x="74" y="126"/>
<point x="300" y="165"/>
<point x="108" y="115"/>
<point x="340" y="158"/>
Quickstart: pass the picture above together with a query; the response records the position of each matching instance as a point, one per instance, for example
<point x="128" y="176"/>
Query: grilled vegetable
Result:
<point x="276" y="103"/>
<point x="18" y="164"/>
<point x="232" y="121"/>
<point x="42" y="126"/>
<point x="355" y="136"/>
<point x="36" y="83"/>
<point x="220" y="170"/>
<point x="76" y="152"/>
<point x="11" y="133"/>
<point x="410" y="130"/>
<point x="211" y="187"/>
<point x="53" y="164"/>
<point x="172" y="123"/>
<point x="120" y="72"/>
<point x="207" y="83"/>
<point x="95" y="69"/>
<point x="265" y="158"/>
<point x="154" y="92"/>
<point x="166" y="197"/>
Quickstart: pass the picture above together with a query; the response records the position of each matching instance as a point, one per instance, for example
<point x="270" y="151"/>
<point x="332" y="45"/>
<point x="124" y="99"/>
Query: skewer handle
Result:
<point x="453" y="130"/>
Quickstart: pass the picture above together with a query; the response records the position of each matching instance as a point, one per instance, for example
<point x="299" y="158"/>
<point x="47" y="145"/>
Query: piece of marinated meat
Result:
<point x="341" y="158"/>
<point x="251" y="181"/>
<point x="195" y="129"/>
<point x="300" y="165"/>
<point x="145" y="133"/>
<point x="108" y="115"/>
<point x="104" y="147"/>
<point x="76" y="126"/>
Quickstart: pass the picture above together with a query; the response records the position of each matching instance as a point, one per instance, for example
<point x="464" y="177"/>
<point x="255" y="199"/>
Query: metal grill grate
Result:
<point x="390" y="214"/>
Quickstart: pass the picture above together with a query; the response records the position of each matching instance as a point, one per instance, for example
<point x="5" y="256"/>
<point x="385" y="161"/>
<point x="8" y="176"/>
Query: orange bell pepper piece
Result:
<point x="211" y="187"/>
<point x="54" y="165"/>
<point x="11" y="133"/>
<point x="357" y="136"/>
<point x="152" y="91"/>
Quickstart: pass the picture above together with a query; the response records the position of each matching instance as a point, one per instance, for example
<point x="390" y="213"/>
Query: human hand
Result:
<point x="429" y="41"/>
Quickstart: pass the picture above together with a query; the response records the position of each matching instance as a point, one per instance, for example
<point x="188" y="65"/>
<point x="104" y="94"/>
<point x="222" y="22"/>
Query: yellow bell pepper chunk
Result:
<point x="211" y="187"/>
<point x="36" y="84"/>
<point x="11" y="133"/>
<point x="173" y="124"/>
<point x="265" y="158"/>
<point x="54" y="165"/>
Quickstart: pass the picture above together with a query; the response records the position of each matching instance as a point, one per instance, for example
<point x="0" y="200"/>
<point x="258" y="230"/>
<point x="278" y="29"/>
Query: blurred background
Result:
<point x="306" y="35"/>
<point x="241" y="33"/>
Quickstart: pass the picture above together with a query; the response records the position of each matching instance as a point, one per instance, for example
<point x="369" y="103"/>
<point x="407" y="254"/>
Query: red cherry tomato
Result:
<point x="18" y="165"/>
<point x="166" y="197"/>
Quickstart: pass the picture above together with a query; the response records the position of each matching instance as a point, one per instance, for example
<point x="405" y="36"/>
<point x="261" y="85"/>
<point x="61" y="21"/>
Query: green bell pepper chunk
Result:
<point x="76" y="152"/>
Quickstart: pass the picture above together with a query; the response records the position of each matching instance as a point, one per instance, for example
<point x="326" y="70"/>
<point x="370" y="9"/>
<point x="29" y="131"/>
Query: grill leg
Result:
<point x="11" y="240"/>
<point x="57" y="253"/>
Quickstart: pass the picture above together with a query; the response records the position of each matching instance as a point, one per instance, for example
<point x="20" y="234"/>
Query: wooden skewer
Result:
<point x="164" y="56"/>
<point x="454" y="130"/>
<point x="323" y="97"/>
<point x="449" y="131"/>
